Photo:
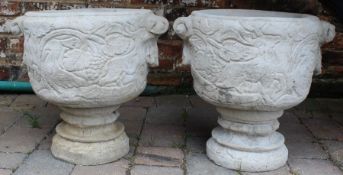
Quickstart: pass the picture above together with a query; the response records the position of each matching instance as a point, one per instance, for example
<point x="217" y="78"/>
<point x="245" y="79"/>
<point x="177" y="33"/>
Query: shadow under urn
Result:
<point x="252" y="65"/>
<point x="88" y="62"/>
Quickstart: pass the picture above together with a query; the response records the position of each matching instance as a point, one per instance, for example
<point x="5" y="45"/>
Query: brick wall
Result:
<point x="170" y="72"/>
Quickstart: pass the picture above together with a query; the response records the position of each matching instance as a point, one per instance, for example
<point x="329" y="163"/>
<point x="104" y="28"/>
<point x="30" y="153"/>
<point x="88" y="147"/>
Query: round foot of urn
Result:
<point x="90" y="136"/>
<point x="246" y="161"/>
<point x="90" y="153"/>
<point x="247" y="141"/>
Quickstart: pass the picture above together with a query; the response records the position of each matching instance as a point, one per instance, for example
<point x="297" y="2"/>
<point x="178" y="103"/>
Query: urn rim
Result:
<point x="250" y="14"/>
<point x="88" y="12"/>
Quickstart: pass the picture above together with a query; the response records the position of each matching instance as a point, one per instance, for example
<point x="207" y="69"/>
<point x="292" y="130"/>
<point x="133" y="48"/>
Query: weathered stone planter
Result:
<point x="252" y="65"/>
<point x="89" y="62"/>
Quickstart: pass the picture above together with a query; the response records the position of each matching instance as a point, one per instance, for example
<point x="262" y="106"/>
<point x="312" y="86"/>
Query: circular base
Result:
<point x="244" y="160"/>
<point x="90" y="153"/>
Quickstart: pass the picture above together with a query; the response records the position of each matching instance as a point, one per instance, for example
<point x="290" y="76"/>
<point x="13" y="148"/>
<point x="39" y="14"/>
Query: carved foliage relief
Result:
<point x="253" y="64"/>
<point x="68" y="62"/>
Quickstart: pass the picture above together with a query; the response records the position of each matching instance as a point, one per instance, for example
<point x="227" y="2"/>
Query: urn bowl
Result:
<point x="88" y="62"/>
<point x="249" y="59"/>
<point x="251" y="65"/>
<point x="89" y="57"/>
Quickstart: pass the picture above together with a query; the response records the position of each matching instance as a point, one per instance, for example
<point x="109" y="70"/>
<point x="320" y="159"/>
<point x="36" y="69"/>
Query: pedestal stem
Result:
<point x="247" y="141"/>
<point x="90" y="136"/>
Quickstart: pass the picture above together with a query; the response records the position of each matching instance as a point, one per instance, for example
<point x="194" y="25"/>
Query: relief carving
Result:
<point x="89" y="62"/>
<point x="251" y="65"/>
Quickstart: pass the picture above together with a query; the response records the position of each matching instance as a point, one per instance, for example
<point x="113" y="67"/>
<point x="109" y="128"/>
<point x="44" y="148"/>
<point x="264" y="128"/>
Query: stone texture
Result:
<point x="116" y="168"/>
<point x="334" y="105"/>
<point x="224" y="76"/>
<point x="154" y="170"/>
<point x="41" y="162"/>
<point x="11" y="160"/>
<point x="133" y="140"/>
<point x="159" y="156"/>
<point x="129" y="156"/>
<point x="335" y="150"/>
<point x="321" y="114"/>
<point x="338" y="117"/>
<point x="325" y="128"/>
<point x="310" y="104"/>
<point x="199" y="164"/>
<point x="6" y="100"/>
<point x="300" y="142"/>
<point x="113" y="71"/>
<point x="172" y="100"/>
<point x="27" y="102"/>
<point x="288" y="118"/>
<point x="21" y="140"/>
<point x="178" y="8"/>
<point x="132" y="118"/>
<point x="196" y="144"/>
<point x="132" y="113"/>
<point x="132" y="128"/>
<point x="250" y="92"/>
<point x="46" y="143"/>
<point x="5" y="172"/>
<point x="7" y="118"/>
<point x="303" y="113"/>
<point x="197" y="102"/>
<point x="200" y="121"/>
<point x="281" y="171"/>
<point x="305" y="150"/>
<point x="295" y="132"/>
<point x="156" y="134"/>
<point x="144" y="102"/>
<point x="313" y="167"/>
<point x="173" y="115"/>
<point x="94" y="153"/>
<point x="47" y="117"/>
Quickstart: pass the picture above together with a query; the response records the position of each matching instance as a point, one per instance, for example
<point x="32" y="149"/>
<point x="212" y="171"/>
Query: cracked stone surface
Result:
<point x="117" y="168"/>
<point x="158" y="156"/>
<point x="41" y="162"/>
<point x="11" y="160"/>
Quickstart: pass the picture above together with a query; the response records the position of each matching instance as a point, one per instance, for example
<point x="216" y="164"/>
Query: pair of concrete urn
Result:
<point x="250" y="64"/>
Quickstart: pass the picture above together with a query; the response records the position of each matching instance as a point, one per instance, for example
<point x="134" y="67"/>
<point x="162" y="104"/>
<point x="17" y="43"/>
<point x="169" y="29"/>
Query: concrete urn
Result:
<point x="89" y="62"/>
<point x="252" y="65"/>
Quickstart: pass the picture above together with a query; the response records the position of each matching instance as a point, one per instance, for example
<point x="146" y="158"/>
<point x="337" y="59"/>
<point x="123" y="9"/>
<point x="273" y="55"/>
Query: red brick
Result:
<point x="4" y="73"/>
<point x="332" y="57"/>
<point x="137" y="1"/>
<point x="171" y="13"/>
<point x="336" y="44"/>
<point x="8" y="8"/>
<point x="170" y="48"/>
<point x="149" y="1"/>
<point x="3" y="44"/>
<point x="32" y="5"/>
<point x="164" y="79"/>
<point x="165" y="64"/>
<point x="300" y="6"/>
<point x="182" y="68"/>
<point x="16" y="44"/>
<point x="336" y="69"/>
<point x="240" y="4"/>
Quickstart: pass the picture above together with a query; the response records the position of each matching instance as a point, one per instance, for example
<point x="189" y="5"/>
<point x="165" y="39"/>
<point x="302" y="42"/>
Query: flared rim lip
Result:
<point x="88" y="12"/>
<point x="250" y="14"/>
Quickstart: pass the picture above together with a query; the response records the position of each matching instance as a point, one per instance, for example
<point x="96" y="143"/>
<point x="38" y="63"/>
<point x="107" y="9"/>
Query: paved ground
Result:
<point x="167" y="135"/>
